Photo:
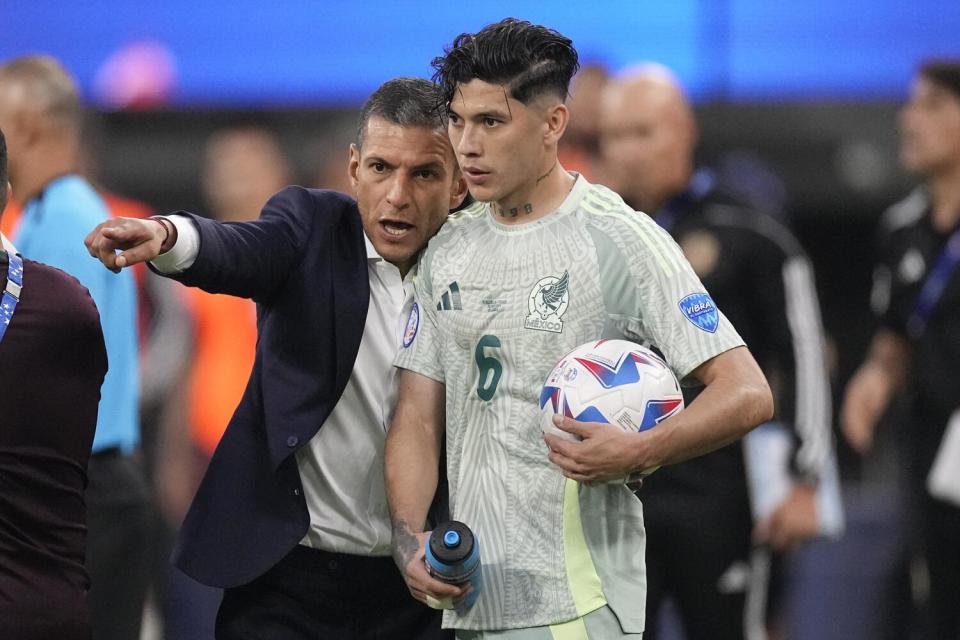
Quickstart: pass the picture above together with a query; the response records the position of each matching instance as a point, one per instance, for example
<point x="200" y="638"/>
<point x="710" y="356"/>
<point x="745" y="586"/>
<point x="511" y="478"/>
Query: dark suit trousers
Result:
<point x="317" y="595"/>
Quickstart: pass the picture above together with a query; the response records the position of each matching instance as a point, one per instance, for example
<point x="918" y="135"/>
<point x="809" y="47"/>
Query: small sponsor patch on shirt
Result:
<point x="701" y="311"/>
<point x="413" y="324"/>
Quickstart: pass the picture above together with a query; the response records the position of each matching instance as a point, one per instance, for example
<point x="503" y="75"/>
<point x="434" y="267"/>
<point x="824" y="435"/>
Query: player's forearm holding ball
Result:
<point x="736" y="399"/>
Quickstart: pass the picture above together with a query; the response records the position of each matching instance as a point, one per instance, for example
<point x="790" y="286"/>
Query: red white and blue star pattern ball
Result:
<point x="617" y="382"/>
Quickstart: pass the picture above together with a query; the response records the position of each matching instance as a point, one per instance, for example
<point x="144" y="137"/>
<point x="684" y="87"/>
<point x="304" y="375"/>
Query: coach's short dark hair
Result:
<point x="408" y="102"/>
<point x="529" y="59"/>
<point x="943" y="72"/>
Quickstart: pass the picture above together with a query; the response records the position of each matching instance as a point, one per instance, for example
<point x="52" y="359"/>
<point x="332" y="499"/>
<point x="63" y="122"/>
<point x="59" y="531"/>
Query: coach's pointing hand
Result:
<point x="137" y="240"/>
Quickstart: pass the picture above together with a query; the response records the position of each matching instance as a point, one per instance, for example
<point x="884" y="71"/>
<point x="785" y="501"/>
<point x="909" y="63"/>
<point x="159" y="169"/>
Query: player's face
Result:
<point x="644" y="146"/>
<point x="498" y="140"/>
<point x="930" y="129"/>
<point x="406" y="182"/>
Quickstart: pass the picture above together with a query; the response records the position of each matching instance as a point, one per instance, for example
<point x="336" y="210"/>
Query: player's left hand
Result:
<point x="792" y="523"/>
<point x="605" y="453"/>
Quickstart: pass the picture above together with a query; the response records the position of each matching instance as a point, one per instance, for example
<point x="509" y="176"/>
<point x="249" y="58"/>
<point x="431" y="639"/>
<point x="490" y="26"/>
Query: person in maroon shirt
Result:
<point x="52" y="363"/>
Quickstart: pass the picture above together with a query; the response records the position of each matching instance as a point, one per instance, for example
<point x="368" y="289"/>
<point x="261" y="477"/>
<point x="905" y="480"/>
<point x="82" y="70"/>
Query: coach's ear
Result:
<point x="353" y="166"/>
<point x="458" y="189"/>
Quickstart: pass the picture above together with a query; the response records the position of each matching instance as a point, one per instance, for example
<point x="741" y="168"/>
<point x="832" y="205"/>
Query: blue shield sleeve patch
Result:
<point x="701" y="311"/>
<point x="413" y="324"/>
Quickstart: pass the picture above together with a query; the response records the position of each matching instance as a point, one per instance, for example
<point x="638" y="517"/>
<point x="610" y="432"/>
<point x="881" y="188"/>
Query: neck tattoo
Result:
<point x="527" y="208"/>
<point x="547" y="174"/>
<point x="514" y="211"/>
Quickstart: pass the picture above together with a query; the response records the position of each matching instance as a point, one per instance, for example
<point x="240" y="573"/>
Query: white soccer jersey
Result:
<point x="497" y="306"/>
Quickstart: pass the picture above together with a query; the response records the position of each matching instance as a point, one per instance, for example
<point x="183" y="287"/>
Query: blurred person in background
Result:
<point x="757" y="272"/>
<point x="579" y="149"/>
<point x="162" y="319"/>
<point x="916" y="349"/>
<point x="291" y="516"/>
<point x="164" y="330"/>
<point x="242" y="167"/>
<point x="54" y="361"/>
<point x="41" y="114"/>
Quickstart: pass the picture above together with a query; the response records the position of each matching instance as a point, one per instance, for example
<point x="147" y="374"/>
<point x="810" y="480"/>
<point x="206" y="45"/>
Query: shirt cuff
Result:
<point x="184" y="251"/>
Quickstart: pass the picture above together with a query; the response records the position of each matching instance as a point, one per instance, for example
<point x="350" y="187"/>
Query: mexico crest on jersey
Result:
<point x="547" y="303"/>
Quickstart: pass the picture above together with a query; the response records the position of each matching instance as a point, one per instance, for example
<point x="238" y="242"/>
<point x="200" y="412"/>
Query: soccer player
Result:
<point x="544" y="262"/>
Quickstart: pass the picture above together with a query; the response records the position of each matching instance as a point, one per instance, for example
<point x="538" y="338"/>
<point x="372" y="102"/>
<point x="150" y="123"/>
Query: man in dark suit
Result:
<point x="53" y="364"/>
<point x="291" y="518"/>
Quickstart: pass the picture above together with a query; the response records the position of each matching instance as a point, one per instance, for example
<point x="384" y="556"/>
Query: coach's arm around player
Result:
<point x="412" y="461"/>
<point x="736" y="398"/>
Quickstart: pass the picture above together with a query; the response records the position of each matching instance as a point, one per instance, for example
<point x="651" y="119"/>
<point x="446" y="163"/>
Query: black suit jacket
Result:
<point x="304" y="263"/>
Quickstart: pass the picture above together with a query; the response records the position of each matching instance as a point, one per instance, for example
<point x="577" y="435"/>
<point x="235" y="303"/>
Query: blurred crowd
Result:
<point x="834" y="559"/>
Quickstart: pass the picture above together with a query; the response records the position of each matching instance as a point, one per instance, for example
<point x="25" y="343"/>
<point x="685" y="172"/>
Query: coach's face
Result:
<point x="406" y="182"/>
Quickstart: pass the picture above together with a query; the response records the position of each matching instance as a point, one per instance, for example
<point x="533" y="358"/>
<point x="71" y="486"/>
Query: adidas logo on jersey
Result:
<point x="450" y="300"/>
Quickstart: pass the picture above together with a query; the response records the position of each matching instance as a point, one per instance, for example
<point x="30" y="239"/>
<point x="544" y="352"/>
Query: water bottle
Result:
<point x="453" y="556"/>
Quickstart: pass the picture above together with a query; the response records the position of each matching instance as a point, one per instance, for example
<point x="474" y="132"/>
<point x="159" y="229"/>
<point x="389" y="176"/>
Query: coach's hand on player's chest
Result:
<point x="603" y="454"/>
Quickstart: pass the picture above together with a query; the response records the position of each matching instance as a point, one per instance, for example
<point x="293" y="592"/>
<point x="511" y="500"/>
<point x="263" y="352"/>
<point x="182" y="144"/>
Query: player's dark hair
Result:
<point x="943" y="72"/>
<point x="407" y="102"/>
<point x="528" y="59"/>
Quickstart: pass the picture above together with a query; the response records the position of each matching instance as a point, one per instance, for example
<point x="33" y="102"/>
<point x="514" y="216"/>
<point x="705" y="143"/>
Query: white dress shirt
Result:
<point x="341" y="468"/>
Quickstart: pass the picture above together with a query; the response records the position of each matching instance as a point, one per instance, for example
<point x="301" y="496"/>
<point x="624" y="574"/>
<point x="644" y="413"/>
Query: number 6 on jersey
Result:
<point x="490" y="368"/>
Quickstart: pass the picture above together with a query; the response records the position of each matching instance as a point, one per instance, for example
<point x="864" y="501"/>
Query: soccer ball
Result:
<point x="613" y="381"/>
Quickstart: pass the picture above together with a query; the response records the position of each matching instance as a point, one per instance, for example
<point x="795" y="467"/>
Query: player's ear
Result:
<point x="556" y="118"/>
<point x="353" y="168"/>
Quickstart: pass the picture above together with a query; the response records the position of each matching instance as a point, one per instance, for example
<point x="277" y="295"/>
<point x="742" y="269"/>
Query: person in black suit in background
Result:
<point x="916" y="346"/>
<point x="52" y="363"/>
<point x="291" y="518"/>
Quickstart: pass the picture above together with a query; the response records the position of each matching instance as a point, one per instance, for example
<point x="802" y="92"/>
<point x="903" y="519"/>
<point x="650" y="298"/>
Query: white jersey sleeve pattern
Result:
<point x="652" y="294"/>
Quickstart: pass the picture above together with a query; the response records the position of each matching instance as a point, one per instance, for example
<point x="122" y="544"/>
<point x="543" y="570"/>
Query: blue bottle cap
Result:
<point x="451" y="543"/>
<point x="451" y="539"/>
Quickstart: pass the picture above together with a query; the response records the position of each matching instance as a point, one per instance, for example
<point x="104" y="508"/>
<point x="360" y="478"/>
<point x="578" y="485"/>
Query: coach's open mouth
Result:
<point x="395" y="228"/>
